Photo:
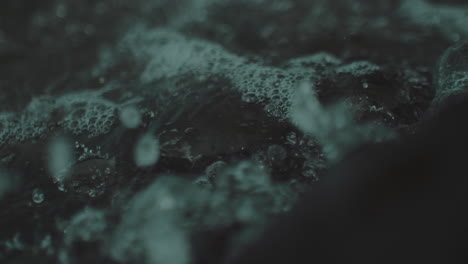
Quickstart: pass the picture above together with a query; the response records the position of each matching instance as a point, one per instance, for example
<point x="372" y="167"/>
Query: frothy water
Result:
<point x="136" y="139"/>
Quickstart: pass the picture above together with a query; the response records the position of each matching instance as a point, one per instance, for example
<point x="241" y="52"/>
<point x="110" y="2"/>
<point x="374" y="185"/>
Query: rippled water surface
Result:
<point x="157" y="131"/>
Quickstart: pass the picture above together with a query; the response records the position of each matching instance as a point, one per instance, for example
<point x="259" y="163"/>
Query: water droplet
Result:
<point x="61" y="11"/>
<point x="130" y="117"/>
<point x="60" y="158"/>
<point x="38" y="196"/>
<point x="146" y="151"/>
<point x="365" y="85"/>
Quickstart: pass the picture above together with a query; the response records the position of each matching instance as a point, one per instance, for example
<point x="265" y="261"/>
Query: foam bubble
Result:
<point x="38" y="196"/>
<point x="78" y="112"/>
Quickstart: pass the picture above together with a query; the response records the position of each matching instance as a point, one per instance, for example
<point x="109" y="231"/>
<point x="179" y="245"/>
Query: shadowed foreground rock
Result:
<point x="398" y="202"/>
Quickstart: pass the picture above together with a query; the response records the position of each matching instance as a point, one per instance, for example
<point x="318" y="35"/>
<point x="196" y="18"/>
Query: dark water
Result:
<point x="175" y="131"/>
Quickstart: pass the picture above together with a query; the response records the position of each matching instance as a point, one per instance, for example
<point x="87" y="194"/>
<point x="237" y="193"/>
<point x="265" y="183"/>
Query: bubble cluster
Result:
<point x="74" y="112"/>
<point x="271" y="85"/>
<point x="91" y="177"/>
<point x="5" y="126"/>
<point x="169" y="54"/>
<point x="95" y="118"/>
<point x="170" y="86"/>
<point x="22" y="126"/>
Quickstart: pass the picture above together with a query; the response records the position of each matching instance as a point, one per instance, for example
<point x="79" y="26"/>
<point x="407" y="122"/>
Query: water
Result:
<point x="155" y="127"/>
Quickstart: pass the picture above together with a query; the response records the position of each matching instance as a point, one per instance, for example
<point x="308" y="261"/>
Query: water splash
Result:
<point x="61" y="158"/>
